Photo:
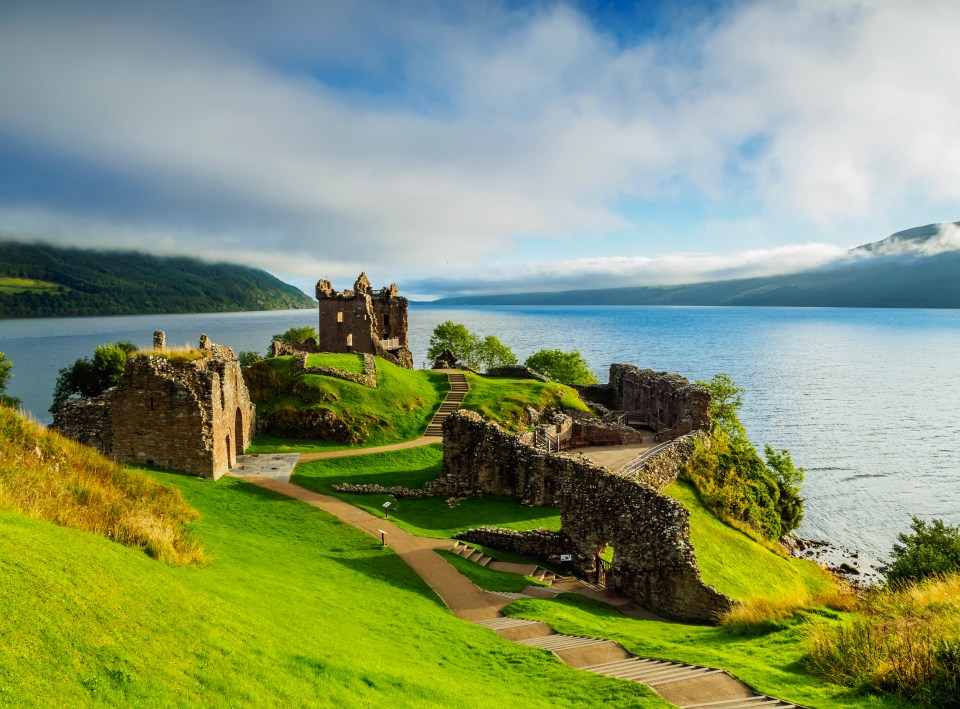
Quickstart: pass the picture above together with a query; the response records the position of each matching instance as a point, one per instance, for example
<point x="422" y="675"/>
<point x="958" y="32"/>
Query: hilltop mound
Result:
<point x="49" y="477"/>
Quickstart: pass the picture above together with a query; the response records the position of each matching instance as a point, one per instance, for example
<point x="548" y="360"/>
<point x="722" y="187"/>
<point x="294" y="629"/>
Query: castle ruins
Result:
<point x="364" y="321"/>
<point x="195" y="416"/>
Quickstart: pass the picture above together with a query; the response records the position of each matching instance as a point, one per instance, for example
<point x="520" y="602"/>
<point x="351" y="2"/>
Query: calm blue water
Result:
<point x="868" y="401"/>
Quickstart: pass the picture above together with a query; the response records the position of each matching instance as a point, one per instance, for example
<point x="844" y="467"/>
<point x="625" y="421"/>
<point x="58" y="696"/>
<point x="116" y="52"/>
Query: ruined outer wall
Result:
<point x="191" y="416"/>
<point x="87" y="421"/>
<point x="654" y="561"/>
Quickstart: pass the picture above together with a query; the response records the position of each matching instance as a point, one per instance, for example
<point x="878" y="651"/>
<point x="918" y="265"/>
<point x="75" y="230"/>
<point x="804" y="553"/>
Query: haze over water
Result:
<point x="866" y="400"/>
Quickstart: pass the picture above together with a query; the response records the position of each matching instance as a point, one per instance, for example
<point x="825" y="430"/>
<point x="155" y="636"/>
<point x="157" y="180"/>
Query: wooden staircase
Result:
<point x="458" y="391"/>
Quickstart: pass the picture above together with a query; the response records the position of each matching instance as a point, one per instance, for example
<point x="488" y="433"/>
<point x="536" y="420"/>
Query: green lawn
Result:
<point x="769" y="663"/>
<point x="488" y="579"/>
<point x="352" y="363"/>
<point x="398" y="409"/>
<point x="505" y="400"/>
<point x="737" y="565"/>
<point x="429" y="517"/>
<point x="296" y="609"/>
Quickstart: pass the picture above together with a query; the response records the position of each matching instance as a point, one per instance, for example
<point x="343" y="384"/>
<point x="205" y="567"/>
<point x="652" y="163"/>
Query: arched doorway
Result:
<point x="230" y="458"/>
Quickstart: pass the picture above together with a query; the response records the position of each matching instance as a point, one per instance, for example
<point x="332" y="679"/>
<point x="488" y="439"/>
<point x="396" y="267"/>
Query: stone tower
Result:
<point x="364" y="321"/>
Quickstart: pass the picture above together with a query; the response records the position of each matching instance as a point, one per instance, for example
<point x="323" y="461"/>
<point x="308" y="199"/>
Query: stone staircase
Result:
<point x="686" y="686"/>
<point x="458" y="391"/>
<point x="475" y="555"/>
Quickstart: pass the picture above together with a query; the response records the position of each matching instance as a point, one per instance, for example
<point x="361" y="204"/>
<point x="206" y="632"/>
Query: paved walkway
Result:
<point x="613" y="457"/>
<point x="464" y="600"/>
<point x="415" y="443"/>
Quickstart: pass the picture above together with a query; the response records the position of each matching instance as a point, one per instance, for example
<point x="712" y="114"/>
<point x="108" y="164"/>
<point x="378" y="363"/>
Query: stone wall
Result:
<point x="517" y="371"/>
<point x="668" y="403"/>
<point x="367" y="379"/>
<point x="654" y="561"/>
<point x="537" y="543"/>
<point x="662" y="469"/>
<point x="193" y="416"/>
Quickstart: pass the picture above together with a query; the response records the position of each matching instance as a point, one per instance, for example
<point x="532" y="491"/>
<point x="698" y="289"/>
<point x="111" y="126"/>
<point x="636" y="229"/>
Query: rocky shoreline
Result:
<point x="848" y="564"/>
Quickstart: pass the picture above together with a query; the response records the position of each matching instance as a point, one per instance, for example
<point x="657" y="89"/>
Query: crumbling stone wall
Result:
<point x="192" y="416"/>
<point x="668" y="403"/>
<point x="367" y="379"/>
<point x="361" y="320"/>
<point x="654" y="561"/>
<point x="538" y="543"/>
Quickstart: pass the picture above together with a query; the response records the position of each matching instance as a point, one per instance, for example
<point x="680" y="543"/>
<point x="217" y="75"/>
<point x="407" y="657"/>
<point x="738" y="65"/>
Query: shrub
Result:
<point x="6" y="367"/>
<point x="295" y="336"/>
<point x="931" y="550"/>
<point x="566" y="367"/>
<point x="87" y="377"/>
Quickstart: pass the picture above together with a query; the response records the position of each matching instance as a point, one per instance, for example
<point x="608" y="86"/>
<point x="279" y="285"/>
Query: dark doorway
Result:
<point x="238" y="432"/>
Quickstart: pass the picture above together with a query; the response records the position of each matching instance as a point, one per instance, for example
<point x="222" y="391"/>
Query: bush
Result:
<point x="734" y="481"/>
<point x="6" y="371"/>
<point x="566" y="367"/>
<point x="931" y="550"/>
<point x="294" y="336"/>
<point x="479" y="354"/>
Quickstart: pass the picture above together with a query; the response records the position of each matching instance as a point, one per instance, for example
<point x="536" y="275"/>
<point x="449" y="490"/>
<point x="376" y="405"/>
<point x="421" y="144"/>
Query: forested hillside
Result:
<point x="39" y="280"/>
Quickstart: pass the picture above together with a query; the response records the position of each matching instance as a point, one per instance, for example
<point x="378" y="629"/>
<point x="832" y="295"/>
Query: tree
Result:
<point x="932" y="549"/>
<point x="490" y="352"/>
<point x="788" y="477"/>
<point x="247" y="358"/>
<point x="454" y="337"/>
<point x="87" y="377"/>
<point x="725" y="402"/>
<point x="566" y="367"/>
<point x="296" y="335"/>
<point x="6" y="371"/>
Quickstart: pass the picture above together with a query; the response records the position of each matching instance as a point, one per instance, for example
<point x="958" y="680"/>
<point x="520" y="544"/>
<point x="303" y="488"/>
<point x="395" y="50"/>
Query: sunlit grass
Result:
<point x="505" y="401"/>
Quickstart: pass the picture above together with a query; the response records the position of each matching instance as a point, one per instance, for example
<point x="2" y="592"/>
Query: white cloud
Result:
<point x="474" y="126"/>
<point x="618" y="272"/>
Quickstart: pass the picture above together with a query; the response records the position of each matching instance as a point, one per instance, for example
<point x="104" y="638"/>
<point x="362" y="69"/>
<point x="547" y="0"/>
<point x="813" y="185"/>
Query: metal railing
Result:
<point x="544" y="441"/>
<point x="638" y="462"/>
<point x="392" y="344"/>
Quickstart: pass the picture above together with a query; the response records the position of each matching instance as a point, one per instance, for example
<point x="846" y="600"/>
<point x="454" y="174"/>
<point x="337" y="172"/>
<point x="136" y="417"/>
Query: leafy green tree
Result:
<point x="6" y="371"/>
<point x="454" y="337"/>
<point x="788" y="477"/>
<point x="296" y="335"/>
<point x="931" y="549"/>
<point x="248" y="358"/>
<point x="565" y="367"/>
<point x="87" y="377"/>
<point x="490" y="353"/>
<point x="725" y="403"/>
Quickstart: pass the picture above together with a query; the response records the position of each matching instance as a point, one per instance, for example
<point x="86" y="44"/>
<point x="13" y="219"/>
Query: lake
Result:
<point x="867" y="400"/>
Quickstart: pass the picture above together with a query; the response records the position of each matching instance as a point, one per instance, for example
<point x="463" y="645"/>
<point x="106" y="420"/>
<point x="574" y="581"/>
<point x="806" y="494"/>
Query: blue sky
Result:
<point x="480" y="146"/>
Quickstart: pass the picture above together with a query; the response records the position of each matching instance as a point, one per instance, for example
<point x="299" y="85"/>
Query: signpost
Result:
<point x="386" y="509"/>
<point x="383" y="535"/>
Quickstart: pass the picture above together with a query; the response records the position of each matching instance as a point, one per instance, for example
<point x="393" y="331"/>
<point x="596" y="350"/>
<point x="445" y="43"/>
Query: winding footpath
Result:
<point x="686" y="686"/>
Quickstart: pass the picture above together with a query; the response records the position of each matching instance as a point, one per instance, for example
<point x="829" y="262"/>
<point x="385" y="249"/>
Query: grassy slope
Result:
<point x="352" y="363"/>
<point x="27" y="285"/>
<point x="296" y="609"/>
<point x="505" y="400"/>
<point x="412" y="468"/>
<point x="399" y="409"/>
<point x="739" y="566"/>
<point x="50" y="477"/>
<point x="769" y="663"/>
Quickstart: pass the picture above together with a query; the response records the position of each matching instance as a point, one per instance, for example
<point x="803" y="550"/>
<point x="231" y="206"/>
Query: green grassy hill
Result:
<point x="40" y="280"/>
<point x="505" y="401"/>
<point x="296" y="609"/>
<point x="398" y="409"/>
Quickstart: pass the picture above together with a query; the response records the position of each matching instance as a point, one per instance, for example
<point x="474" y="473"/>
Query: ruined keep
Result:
<point x="364" y="321"/>
<point x="654" y="561"/>
<point x="195" y="416"/>
<point x="667" y="403"/>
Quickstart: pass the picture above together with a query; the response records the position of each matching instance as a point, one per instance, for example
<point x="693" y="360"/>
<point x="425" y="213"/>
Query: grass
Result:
<point x="297" y="609"/>
<point x="8" y="284"/>
<point x="179" y="354"/>
<point x="430" y="517"/>
<point x="905" y="640"/>
<point x="770" y="663"/>
<point x="49" y="477"/>
<point x="352" y="363"/>
<point x="489" y="579"/>
<point x="505" y="401"/>
<point x="741" y="567"/>
<point x="398" y="409"/>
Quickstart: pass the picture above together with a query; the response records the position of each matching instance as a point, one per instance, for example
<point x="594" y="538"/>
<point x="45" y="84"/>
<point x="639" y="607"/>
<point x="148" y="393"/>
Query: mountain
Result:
<point x="40" y="280"/>
<point x="916" y="268"/>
